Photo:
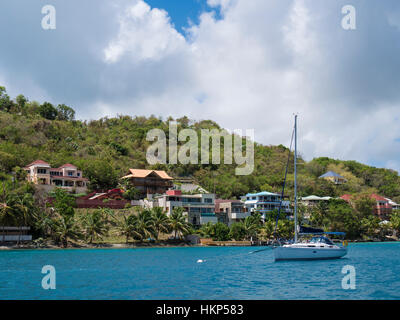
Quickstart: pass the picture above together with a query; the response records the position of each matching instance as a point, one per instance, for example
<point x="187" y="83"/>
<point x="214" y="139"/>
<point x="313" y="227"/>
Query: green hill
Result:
<point x="104" y="149"/>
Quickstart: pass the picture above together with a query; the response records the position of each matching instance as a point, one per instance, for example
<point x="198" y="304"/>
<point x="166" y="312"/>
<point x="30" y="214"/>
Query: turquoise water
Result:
<point x="172" y="273"/>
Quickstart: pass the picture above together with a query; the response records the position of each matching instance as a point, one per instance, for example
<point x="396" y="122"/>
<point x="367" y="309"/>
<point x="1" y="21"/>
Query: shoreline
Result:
<point x="143" y="245"/>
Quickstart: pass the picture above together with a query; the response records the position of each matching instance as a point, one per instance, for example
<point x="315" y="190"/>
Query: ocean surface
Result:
<point x="173" y="273"/>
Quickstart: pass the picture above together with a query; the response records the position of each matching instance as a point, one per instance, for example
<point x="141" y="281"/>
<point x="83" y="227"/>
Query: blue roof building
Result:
<point x="333" y="177"/>
<point x="265" y="202"/>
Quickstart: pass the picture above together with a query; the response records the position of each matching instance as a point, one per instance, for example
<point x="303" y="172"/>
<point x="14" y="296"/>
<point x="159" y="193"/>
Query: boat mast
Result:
<point x="295" y="178"/>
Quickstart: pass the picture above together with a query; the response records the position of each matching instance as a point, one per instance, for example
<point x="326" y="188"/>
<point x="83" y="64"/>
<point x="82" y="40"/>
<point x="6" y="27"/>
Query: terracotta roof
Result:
<point x="378" y="197"/>
<point x="142" y="173"/>
<point x="374" y="196"/>
<point x="38" y="162"/>
<point x="346" y="197"/>
<point x="67" y="165"/>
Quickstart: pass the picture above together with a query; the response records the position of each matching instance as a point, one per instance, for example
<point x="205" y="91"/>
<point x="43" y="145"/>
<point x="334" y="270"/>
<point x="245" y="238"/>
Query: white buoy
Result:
<point x="200" y="261"/>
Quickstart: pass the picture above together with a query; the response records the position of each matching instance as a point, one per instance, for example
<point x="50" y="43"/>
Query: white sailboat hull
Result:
<point x="295" y="252"/>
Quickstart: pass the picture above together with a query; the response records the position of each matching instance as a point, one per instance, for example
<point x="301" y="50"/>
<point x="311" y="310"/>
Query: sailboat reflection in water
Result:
<point x="319" y="246"/>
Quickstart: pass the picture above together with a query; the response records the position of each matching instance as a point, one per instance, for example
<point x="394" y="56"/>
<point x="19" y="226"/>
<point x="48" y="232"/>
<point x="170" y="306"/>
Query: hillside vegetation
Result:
<point x="106" y="148"/>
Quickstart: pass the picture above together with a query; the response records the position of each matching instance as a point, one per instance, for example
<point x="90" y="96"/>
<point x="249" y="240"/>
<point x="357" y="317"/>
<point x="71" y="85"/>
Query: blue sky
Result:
<point x="181" y="11"/>
<point x="244" y="64"/>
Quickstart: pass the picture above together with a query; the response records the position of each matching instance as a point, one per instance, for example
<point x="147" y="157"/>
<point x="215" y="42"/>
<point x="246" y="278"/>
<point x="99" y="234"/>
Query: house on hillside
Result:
<point x="231" y="211"/>
<point x="113" y="199"/>
<point x="266" y="202"/>
<point x="312" y="200"/>
<point x="149" y="182"/>
<point x="333" y="177"/>
<point x="383" y="208"/>
<point x="395" y="206"/>
<point x="67" y="177"/>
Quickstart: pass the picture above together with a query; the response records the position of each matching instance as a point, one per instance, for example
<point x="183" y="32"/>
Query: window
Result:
<point x="78" y="174"/>
<point x="208" y="200"/>
<point x="42" y="171"/>
<point x="70" y="173"/>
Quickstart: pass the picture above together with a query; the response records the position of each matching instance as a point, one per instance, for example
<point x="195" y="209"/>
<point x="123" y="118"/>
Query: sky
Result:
<point x="246" y="64"/>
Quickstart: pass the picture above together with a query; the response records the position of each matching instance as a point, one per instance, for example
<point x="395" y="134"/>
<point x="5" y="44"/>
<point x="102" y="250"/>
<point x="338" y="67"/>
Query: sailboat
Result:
<point x="320" y="246"/>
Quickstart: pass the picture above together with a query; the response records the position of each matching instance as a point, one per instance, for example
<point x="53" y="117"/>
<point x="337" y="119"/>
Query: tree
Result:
<point x="65" y="229"/>
<point x="20" y="174"/>
<point x="267" y="231"/>
<point x="144" y="224"/>
<point x="370" y="225"/>
<point x="178" y="222"/>
<point x="64" y="203"/>
<point x="395" y="221"/>
<point x="130" y="192"/>
<point x="65" y="113"/>
<point x="44" y="222"/>
<point x="101" y="174"/>
<point x="218" y="231"/>
<point x="5" y="102"/>
<point x="7" y="161"/>
<point x="161" y="221"/>
<point x="238" y="231"/>
<point x="364" y="205"/>
<point x="7" y="210"/>
<point x="47" y="111"/>
<point x="126" y="227"/>
<point x="21" y="102"/>
<point x="94" y="225"/>
<point x="252" y="225"/>
<point x="285" y="229"/>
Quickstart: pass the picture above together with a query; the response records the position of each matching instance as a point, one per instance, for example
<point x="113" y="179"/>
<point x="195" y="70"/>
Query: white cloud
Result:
<point x="253" y="67"/>
<point x="144" y="33"/>
<point x="256" y="67"/>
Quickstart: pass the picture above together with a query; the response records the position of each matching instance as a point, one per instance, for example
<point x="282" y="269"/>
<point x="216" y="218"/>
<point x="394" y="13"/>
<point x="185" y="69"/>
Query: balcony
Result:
<point x="240" y="215"/>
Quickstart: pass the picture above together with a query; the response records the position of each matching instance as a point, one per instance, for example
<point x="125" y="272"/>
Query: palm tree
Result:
<point x="207" y="230"/>
<point x="8" y="214"/>
<point x="126" y="227"/>
<point x="43" y="222"/>
<point x="108" y="215"/>
<point x="161" y="221"/>
<point x="267" y="231"/>
<point x="144" y="224"/>
<point x="66" y="228"/>
<point x="25" y="211"/>
<point x="95" y="226"/>
<point x="178" y="222"/>
<point x="285" y="229"/>
<point x="252" y="224"/>
<point x="395" y="222"/>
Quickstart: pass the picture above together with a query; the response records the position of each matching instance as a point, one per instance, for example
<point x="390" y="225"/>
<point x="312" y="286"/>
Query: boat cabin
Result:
<point x="321" y="239"/>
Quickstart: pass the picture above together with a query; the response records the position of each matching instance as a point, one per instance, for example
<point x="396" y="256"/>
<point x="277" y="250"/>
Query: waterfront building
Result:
<point x="14" y="234"/>
<point x="333" y="177"/>
<point x="149" y="182"/>
<point x="230" y="211"/>
<point x="198" y="207"/>
<point x="67" y="177"/>
<point x="265" y="202"/>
